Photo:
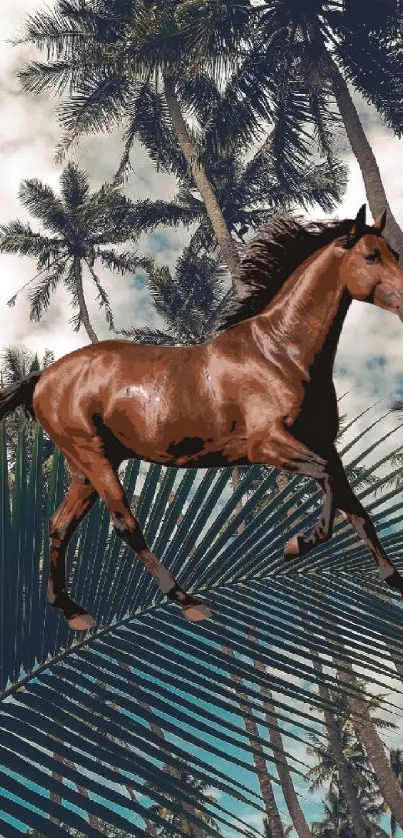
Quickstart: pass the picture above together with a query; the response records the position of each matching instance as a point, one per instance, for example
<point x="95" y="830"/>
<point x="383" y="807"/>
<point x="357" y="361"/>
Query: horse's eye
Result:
<point x="374" y="256"/>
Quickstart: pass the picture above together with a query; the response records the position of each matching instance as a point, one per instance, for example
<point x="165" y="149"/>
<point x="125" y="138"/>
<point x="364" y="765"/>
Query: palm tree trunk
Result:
<point x="149" y="824"/>
<point x="398" y="662"/>
<point x="81" y="301"/>
<point x="362" y="150"/>
<point x="259" y="760"/>
<point x="54" y="796"/>
<point x="290" y="796"/>
<point x="213" y="209"/>
<point x="283" y="771"/>
<point x="93" y="820"/>
<point x="367" y="734"/>
<point x="189" y="828"/>
<point x="352" y="801"/>
<point x="151" y="830"/>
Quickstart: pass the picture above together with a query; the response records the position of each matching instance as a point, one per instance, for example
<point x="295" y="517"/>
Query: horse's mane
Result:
<point x="282" y="244"/>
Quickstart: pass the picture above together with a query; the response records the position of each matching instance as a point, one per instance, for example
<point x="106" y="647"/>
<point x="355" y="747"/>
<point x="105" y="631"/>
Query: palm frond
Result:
<point x="123" y="262"/>
<point x="18" y="237"/>
<point x="75" y="186"/>
<point x="175" y="669"/>
<point x="143" y="334"/>
<point x="147" y="215"/>
<point x="39" y="297"/>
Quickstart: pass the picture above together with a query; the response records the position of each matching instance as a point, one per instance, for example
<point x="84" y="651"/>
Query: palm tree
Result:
<point x="248" y="188"/>
<point x="374" y="747"/>
<point x="178" y="821"/>
<point x="297" y="69"/>
<point x="336" y="823"/>
<point x="16" y="362"/>
<point x="396" y="761"/>
<point x="272" y="812"/>
<point x="82" y="227"/>
<point x="362" y="777"/>
<point x="108" y="55"/>
<point x="188" y="301"/>
<point x="268" y="832"/>
<point x="283" y="769"/>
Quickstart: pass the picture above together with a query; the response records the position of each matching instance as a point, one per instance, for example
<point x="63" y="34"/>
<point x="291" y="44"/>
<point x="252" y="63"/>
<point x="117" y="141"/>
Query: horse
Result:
<point x="260" y="391"/>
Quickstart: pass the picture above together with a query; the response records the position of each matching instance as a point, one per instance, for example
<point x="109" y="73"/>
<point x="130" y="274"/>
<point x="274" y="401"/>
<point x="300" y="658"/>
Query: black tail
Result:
<point x="20" y="394"/>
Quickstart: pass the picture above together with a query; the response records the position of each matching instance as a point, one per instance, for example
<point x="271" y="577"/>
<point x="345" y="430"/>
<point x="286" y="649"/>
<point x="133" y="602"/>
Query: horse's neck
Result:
<point x="307" y="314"/>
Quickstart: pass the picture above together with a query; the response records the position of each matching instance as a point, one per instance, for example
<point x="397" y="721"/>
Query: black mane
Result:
<point x="279" y="247"/>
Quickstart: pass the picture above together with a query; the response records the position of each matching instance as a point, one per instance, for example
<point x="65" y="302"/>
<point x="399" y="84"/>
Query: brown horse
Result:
<point x="260" y="391"/>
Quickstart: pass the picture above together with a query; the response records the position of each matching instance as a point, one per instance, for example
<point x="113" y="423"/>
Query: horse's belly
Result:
<point x="171" y="434"/>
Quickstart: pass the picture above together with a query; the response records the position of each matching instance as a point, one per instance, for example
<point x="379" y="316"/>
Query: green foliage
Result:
<point x="113" y="56"/>
<point x="179" y="821"/>
<point x="188" y="302"/>
<point x="325" y="772"/>
<point x="166" y="698"/>
<point x="336" y="821"/>
<point x="82" y="224"/>
<point x="17" y="361"/>
<point x="396" y="761"/>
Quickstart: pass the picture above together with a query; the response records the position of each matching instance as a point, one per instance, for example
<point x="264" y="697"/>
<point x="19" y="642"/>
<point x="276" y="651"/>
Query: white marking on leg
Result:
<point x="118" y="522"/>
<point x="161" y="574"/>
<point x="386" y="569"/>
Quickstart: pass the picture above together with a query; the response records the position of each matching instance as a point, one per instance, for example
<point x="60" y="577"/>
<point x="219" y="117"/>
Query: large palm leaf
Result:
<point x="146" y="654"/>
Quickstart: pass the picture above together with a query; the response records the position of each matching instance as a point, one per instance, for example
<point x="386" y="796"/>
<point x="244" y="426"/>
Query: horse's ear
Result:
<point x="357" y="228"/>
<point x="380" y="222"/>
<point x="359" y="223"/>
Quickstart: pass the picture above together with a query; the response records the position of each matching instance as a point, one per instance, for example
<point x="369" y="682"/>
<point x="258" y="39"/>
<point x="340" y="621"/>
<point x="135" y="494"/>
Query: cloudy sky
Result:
<point x="369" y="360"/>
<point x="370" y="355"/>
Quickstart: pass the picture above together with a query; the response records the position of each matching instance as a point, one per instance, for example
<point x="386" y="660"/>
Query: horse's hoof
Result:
<point x="197" y="612"/>
<point x="292" y="549"/>
<point x="81" y="622"/>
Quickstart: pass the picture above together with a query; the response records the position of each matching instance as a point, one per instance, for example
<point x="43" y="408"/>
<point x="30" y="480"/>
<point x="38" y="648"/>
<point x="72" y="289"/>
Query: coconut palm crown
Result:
<point x="82" y="225"/>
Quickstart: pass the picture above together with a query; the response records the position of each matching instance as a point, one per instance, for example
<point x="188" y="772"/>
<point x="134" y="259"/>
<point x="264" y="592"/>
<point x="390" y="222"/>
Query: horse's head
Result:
<point x="369" y="267"/>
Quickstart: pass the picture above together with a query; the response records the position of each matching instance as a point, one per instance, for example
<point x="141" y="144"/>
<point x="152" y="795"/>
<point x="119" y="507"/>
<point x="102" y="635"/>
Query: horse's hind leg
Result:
<point x="101" y="474"/>
<point x="348" y="503"/>
<point x="63" y="523"/>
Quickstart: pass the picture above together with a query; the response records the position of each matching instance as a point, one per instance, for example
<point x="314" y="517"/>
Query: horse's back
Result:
<point x="159" y="402"/>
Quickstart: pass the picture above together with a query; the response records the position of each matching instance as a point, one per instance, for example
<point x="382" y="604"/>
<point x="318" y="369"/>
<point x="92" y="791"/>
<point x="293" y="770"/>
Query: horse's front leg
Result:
<point x="283" y="450"/>
<point x="301" y="544"/>
<point x="348" y="503"/>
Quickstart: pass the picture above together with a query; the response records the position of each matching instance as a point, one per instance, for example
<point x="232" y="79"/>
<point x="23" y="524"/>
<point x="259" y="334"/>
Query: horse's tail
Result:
<point x="20" y="394"/>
